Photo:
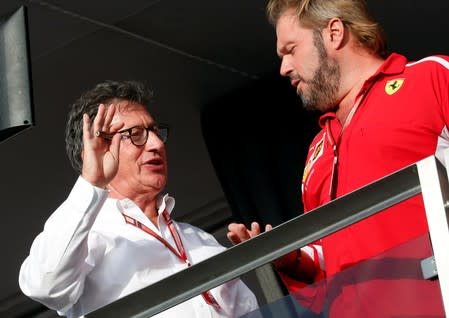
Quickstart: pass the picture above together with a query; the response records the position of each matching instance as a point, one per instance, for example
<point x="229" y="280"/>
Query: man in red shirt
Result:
<point x="380" y="113"/>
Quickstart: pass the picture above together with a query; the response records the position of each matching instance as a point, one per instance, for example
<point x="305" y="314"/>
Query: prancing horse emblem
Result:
<point x="393" y="86"/>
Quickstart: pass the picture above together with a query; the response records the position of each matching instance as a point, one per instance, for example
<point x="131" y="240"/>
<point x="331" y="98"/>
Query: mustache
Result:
<point x="297" y="77"/>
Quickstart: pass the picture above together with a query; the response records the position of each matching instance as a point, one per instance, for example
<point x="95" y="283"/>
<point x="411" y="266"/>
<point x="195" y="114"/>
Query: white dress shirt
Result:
<point x="87" y="257"/>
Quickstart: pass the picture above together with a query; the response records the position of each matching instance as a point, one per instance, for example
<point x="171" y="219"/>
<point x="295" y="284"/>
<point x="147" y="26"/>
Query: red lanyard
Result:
<point x="335" y="144"/>
<point x="180" y="253"/>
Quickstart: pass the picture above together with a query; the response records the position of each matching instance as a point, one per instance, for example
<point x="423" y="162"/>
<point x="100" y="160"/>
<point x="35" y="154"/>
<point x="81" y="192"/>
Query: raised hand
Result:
<point x="239" y="233"/>
<point x="100" y="155"/>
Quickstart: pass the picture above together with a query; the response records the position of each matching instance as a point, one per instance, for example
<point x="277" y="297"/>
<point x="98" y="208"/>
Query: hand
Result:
<point x="299" y="266"/>
<point x="100" y="156"/>
<point x="239" y="233"/>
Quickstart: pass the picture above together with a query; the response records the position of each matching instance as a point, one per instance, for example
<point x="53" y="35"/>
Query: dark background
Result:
<point x="239" y="135"/>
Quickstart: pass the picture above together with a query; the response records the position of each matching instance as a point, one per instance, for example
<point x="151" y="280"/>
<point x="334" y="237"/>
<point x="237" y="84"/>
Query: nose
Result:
<point x="286" y="66"/>
<point x="154" y="143"/>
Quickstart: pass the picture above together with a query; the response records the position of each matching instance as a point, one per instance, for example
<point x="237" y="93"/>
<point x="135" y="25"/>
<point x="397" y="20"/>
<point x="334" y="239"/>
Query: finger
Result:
<point x="268" y="227"/>
<point x="99" y="118"/>
<point x="87" y="132"/>
<point x="234" y="239"/>
<point x="116" y="126"/>
<point x="239" y="230"/>
<point x="255" y="229"/>
<point x="243" y="232"/>
<point x="233" y="228"/>
<point x="110" y="112"/>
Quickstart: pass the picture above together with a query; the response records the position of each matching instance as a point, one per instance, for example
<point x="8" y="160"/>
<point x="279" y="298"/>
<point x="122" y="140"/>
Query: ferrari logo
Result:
<point x="317" y="152"/>
<point x="393" y="86"/>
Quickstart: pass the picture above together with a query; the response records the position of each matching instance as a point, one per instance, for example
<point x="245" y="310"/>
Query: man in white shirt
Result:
<point x="114" y="235"/>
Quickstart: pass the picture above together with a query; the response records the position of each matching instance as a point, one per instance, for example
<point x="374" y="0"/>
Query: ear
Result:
<point x="334" y="33"/>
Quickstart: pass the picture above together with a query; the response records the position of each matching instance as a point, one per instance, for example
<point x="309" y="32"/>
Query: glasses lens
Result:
<point x="138" y="136"/>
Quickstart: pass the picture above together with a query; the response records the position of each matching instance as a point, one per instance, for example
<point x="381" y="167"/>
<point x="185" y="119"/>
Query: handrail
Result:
<point x="435" y="191"/>
<point x="266" y="247"/>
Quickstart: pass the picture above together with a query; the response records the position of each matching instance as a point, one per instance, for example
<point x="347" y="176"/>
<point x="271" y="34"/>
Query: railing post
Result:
<point x="435" y="192"/>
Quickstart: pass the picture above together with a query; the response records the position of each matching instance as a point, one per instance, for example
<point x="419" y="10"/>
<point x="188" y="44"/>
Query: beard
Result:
<point x="322" y="89"/>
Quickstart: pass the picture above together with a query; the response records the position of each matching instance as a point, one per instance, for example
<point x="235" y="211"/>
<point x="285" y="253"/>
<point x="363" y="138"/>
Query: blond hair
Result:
<point x="315" y="14"/>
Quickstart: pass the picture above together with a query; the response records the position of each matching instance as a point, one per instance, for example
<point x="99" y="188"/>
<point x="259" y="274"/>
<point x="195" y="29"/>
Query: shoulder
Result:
<point x="317" y="141"/>
<point x="430" y="74"/>
<point x="322" y="124"/>
<point x="439" y="62"/>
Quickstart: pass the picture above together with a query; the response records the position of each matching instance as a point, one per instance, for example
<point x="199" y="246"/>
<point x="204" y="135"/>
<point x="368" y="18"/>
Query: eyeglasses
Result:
<point x="139" y="135"/>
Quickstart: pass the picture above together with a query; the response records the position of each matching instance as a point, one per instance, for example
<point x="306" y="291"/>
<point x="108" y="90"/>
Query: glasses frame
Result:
<point x="127" y="133"/>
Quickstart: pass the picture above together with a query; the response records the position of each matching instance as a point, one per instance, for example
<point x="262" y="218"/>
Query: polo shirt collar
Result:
<point x="393" y="65"/>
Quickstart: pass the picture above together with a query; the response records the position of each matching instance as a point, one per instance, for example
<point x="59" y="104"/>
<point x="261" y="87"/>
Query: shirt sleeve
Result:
<point x="55" y="269"/>
<point x="235" y="299"/>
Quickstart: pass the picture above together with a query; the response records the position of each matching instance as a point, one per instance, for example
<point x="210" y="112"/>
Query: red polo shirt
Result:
<point x="402" y="118"/>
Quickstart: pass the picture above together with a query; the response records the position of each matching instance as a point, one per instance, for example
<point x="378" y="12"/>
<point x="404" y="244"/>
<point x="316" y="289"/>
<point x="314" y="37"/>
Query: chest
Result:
<point x="388" y="131"/>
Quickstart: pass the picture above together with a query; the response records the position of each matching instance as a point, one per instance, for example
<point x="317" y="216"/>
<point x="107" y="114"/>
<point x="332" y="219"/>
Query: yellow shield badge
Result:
<point x="317" y="152"/>
<point x="393" y="86"/>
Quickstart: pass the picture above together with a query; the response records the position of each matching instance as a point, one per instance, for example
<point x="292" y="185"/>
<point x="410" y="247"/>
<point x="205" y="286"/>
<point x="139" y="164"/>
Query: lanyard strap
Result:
<point x="180" y="253"/>
<point x="335" y="143"/>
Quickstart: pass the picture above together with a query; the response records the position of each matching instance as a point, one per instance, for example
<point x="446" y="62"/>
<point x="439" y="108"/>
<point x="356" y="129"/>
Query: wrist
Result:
<point x="288" y="262"/>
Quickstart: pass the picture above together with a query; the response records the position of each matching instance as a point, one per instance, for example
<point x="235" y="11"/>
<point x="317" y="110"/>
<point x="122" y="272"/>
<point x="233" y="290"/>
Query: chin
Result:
<point x="159" y="184"/>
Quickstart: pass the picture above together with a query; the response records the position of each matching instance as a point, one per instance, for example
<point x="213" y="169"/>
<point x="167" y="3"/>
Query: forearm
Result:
<point x="302" y="265"/>
<point x="235" y="298"/>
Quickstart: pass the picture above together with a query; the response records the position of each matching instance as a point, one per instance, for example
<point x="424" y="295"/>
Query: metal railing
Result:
<point x="427" y="176"/>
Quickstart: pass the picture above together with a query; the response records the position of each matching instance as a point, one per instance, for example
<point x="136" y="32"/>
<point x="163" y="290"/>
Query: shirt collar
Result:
<point x="163" y="202"/>
<point x="393" y="65"/>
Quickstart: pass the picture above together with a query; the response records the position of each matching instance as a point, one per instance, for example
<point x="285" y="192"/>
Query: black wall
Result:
<point x="258" y="139"/>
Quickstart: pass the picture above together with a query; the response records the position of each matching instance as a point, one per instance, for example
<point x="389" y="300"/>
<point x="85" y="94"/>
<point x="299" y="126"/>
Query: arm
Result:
<point x="234" y="297"/>
<point x="60" y="259"/>
<point x="302" y="265"/>
<point x="298" y="265"/>
<point x="57" y="265"/>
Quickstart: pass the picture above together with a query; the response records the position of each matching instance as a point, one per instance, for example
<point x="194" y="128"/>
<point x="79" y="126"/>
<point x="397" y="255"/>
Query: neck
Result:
<point x="354" y="74"/>
<point x="147" y="202"/>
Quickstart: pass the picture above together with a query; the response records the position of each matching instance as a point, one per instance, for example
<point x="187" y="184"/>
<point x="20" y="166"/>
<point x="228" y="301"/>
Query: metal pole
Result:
<point x="435" y="191"/>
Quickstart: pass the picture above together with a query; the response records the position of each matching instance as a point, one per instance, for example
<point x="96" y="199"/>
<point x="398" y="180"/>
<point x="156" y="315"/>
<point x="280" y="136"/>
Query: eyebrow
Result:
<point x="282" y="50"/>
